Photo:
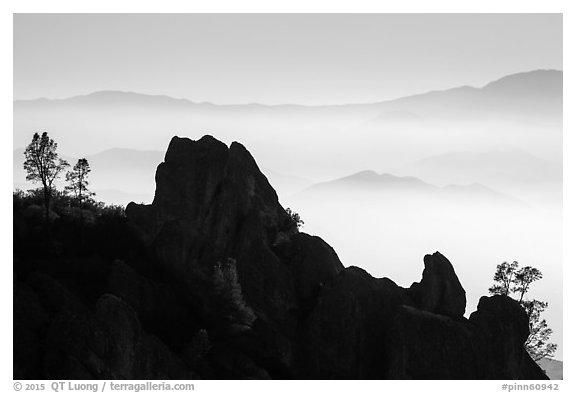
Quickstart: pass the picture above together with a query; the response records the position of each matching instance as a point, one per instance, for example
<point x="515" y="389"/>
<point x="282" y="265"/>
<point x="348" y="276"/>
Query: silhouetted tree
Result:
<point x="43" y="165"/>
<point x="295" y="217"/>
<point x="524" y="278"/>
<point x="511" y="279"/>
<point x="537" y="344"/>
<point x="504" y="278"/>
<point x="77" y="181"/>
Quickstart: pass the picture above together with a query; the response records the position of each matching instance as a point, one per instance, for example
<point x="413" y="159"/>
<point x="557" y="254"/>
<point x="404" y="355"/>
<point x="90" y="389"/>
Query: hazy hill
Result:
<point x="542" y="87"/>
<point x="513" y="172"/>
<point x="535" y="94"/>
<point x="367" y="185"/>
<point x="498" y="167"/>
<point x="370" y="180"/>
<point x="528" y="85"/>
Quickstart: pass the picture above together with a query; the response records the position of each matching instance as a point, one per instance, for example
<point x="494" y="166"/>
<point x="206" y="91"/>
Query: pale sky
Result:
<point x="276" y="58"/>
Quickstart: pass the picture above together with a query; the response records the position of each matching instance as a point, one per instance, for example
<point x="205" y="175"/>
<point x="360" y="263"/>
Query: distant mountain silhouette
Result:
<point x="535" y="94"/>
<point x="495" y="168"/>
<point x="370" y="182"/>
<point x="524" y="85"/>
<point x="111" y="98"/>
<point x="537" y="91"/>
<point x="107" y="119"/>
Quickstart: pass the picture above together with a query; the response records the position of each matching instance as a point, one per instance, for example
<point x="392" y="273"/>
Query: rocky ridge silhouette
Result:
<point x="219" y="283"/>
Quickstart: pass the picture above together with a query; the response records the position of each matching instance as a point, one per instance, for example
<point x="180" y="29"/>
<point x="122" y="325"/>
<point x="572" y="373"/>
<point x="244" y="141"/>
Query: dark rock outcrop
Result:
<point x="345" y="334"/>
<point x="30" y="323"/>
<point x="503" y="328"/>
<point x="220" y="284"/>
<point x="439" y="291"/>
<point x="160" y="309"/>
<point x="312" y="263"/>
<point x="108" y="344"/>
<point x="425" y="345"/>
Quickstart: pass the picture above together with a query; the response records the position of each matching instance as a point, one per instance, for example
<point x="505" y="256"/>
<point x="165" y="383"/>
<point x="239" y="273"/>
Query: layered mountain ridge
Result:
<point x="519" y="85"/>
<point x="106" y="119"/>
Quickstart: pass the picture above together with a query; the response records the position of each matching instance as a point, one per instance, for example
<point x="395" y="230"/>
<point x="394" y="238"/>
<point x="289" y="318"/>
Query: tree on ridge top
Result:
<point x="78" y="183"/>
<point x="43" y="165"/>
<point x="510" y="279"/>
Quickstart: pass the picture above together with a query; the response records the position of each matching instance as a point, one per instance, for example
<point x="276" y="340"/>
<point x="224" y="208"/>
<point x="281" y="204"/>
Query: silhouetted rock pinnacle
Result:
<point x="440" y="290"/>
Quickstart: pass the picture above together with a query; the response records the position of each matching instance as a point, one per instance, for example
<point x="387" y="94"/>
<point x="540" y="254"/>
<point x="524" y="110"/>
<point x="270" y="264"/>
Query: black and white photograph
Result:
<point x="287" y="196"/>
